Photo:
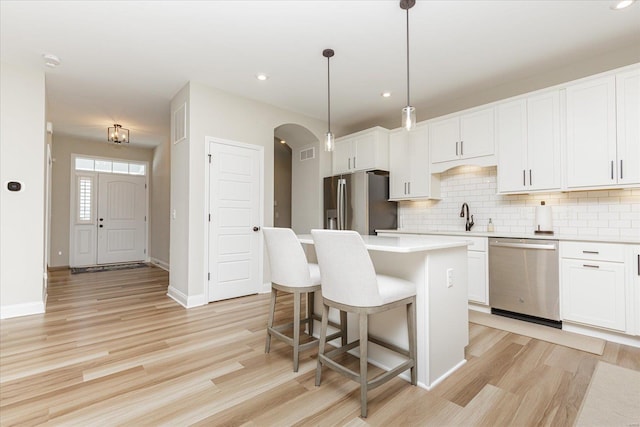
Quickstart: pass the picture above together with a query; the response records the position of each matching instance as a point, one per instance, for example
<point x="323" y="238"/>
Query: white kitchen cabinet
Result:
<point x="628" y="127"/>
<point x="528" y="140"/>
<point x="593" y="284"/>
<point x="595" y="157"/>
<point x="365" y="150"/>
<point x="463" y="136"/>
<point x="634" y="291"/>
<point x="477" y="282"/>
<point x="409" y="175"/>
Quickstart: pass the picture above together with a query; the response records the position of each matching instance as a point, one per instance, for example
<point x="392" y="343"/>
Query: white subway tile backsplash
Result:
<point x="608" y="213"/>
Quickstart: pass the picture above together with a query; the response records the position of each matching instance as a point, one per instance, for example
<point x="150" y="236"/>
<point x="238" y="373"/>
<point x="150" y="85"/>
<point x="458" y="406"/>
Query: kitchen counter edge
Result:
<point x="563" y="237"/>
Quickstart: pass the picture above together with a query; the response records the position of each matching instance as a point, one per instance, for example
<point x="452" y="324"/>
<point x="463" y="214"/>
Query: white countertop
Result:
<point x="400" y="244"/>
<point x="576" y="238"/>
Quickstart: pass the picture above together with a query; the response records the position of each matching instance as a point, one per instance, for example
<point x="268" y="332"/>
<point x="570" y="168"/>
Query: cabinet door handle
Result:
<point x="590" y="266"/>
<point x="409" y="187"/>
<point x="462" y="148"/>
<point x="530" y="180"/>
<point x="457" y="147"/>
<point x="621" y="174"/>
<point x="354" y="162"/>
<point x="349" y="167"/>
<point x="638" y="265"/>
<point x="405" y="188"/>
<point x="591" y="252"/>
<point x="524" y="177"/>
<point x="611" y="169"/>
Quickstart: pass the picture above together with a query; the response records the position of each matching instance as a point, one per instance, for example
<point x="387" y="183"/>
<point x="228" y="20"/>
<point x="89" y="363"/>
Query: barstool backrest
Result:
<point x="288" y="263"/>
<point x="348" y="275"/>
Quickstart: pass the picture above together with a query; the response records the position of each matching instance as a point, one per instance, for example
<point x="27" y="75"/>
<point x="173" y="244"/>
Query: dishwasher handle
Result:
<point x="550" y="246"/>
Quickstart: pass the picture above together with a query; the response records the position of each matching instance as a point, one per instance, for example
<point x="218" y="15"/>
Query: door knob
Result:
<point x="256" y="228"/>
<point x="101" y="226"/>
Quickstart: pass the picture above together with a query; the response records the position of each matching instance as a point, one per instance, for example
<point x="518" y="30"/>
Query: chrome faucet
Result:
<point x="469" y="224"/>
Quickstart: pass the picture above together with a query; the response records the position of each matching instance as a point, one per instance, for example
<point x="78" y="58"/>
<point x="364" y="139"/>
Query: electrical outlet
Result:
<point x="449" y="277"/>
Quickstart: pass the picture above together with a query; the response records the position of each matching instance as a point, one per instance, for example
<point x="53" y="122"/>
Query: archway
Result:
<point x="304" y="180"/>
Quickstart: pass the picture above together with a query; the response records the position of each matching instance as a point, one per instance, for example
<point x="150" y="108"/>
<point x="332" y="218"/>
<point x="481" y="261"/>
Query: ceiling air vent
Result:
<point x="307" y="154"/>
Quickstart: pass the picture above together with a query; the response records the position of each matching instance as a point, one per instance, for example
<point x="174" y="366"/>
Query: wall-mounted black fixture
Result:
<point x="14" y="186"/>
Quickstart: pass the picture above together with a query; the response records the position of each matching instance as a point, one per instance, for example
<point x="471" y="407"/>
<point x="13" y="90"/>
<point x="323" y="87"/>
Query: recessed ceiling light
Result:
<point x="622" y="4"/>
<point x="262" y="77"/>
<point x="282" y="141"/>
<point x="51" y="60"/>
<point x="385" y="94"/>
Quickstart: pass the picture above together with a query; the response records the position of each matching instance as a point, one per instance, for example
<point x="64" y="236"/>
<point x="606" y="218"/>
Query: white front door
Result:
<point x="121" y="218"/>
<point x="235" y="201"/>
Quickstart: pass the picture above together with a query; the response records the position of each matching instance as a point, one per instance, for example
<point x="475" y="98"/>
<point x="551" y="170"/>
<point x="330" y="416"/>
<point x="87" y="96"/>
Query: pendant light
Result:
<point x="329" y="139"/>
<point x="408" y="112"/>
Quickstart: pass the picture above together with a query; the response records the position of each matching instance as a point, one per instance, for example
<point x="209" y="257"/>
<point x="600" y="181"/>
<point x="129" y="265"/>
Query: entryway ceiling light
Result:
<point x="50" y="60"/>
<point x="118" y="134"/>
<point x="262" y="77"/>
<point x="329" y="139"/>
<point x="408" y="112"/>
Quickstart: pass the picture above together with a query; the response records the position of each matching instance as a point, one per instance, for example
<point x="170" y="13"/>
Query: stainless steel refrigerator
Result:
<point x="359" y="201"/>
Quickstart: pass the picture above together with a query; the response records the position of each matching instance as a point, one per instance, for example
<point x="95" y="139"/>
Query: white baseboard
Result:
<point x="17" y="310"/>
<point x="159" y="263"/>
<point x="479" y="307"/>
<point x="266" y="288"/>
<point x="618" y="338"/>
<point x="184" y="300"/>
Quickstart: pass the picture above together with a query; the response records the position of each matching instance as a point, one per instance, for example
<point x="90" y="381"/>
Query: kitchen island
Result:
<point x="439" y="270"/>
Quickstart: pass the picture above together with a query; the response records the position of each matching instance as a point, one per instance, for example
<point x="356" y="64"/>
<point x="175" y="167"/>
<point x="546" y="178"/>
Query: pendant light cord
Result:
<point x="328" y="95"/>
<point x="408" y="103"/>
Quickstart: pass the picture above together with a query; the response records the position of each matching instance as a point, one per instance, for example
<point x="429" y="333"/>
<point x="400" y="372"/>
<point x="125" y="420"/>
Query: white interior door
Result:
<point x="235" y="200"/>
<point x="121" y="218"/>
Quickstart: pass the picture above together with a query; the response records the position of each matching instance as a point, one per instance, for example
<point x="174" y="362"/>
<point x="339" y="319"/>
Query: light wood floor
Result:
<point x="113" y="349"/>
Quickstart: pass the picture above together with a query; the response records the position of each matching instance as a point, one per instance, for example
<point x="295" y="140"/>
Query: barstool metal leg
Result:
<point x="411" y="328"/>
<point x="364" y="341"/>
<point x="296" y="329"/>
<point x="310" y="307"/>
<point x="322" y="341"/>
<point x="272" y="310"/>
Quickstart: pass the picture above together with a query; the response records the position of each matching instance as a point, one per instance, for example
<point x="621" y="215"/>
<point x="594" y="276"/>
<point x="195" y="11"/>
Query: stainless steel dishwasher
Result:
<point x="524" y="279"/>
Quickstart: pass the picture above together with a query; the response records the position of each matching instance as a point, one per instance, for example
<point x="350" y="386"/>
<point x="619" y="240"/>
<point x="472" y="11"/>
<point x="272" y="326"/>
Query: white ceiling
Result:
<point x="123" y="61"/>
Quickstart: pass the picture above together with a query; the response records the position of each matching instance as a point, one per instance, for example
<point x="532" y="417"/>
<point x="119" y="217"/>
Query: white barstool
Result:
<point x="350" y="283"/>
<point x="290" y="272"/>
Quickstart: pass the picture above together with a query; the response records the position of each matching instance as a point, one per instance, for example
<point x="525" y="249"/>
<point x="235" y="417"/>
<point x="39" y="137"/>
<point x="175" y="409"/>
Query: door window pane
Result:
<point x="103" y="165"/>
<point x="84" y="164"/>
<point x="120" y="167"/>
<point x="84" y="199"/>
<point x="136" y="169"/>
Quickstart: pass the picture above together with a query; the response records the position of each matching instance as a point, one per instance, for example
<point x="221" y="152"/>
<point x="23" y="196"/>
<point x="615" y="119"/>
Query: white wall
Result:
<point x="22" y="157"/>
<point x="609" y="213"/>
<point x="214" y="113"/>
<point x="160" y="202"/>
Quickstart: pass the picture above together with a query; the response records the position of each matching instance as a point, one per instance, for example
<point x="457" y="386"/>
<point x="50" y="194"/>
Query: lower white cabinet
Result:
<point x="634" y="275"/>
<point x="477" y="281"/>
<point x="593" y="284"/>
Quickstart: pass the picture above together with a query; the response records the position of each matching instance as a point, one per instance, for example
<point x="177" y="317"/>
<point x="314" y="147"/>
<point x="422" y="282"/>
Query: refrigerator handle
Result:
<point x="338" y="205"/>
<point x="345" y="220"/>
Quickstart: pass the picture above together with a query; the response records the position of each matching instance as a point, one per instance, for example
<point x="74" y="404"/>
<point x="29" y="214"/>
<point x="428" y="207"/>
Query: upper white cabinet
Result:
<point x="365" y="150"/>
<point x="409" y="175"/>
<point x="528" y="138"/>
<point x="595" y="157"/>
<point x="464" y="136"/>
<point x="628" y="126"/>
